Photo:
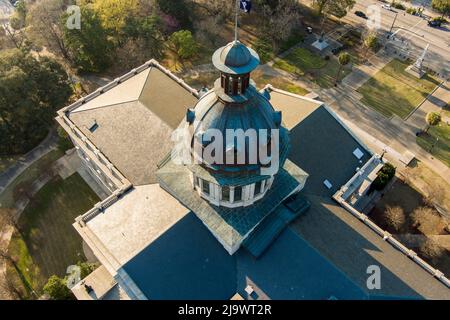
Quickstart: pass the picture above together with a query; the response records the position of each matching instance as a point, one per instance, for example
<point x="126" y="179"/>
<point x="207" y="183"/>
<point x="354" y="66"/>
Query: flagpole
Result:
<point x="236" y="21"/>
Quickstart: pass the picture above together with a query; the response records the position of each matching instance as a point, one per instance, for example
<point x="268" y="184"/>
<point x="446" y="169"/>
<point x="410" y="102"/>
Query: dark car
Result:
<point x="361" y="14"/>
<point x="434" y="23"/>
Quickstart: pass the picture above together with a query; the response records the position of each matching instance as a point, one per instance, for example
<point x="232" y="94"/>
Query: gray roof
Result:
<point x="186" y="262"/>
<point x="351" y="247"/>
<point x="135" y="120"/>
<point x="324" y="149"/>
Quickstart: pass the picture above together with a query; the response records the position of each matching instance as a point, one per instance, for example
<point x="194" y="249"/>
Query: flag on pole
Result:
<point x="245" y="5"/>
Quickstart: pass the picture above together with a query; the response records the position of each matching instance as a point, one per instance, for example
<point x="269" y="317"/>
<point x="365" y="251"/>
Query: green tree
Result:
<point x="344" y="59"/>
<point x="338" y="8"/>
<point x="89" y="47"/>
<point x="184" y="44"/>
<point x="441" y="6"/>
<point x="115" y="15"/>
<point x="370" y="42"/>
<point x="31" y="91"/>
<point x="432" y="119"/>
<point x="57" y="289"/>
<point x="17" y="20"/>
<point x="86" y="268"/>
<point x="386" y="173"/>
<point x="147" y="29"/>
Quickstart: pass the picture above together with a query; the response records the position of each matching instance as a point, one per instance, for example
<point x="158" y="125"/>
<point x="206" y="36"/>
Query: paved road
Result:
<point x="414" y="32"/>
<point x="50" y="143"/>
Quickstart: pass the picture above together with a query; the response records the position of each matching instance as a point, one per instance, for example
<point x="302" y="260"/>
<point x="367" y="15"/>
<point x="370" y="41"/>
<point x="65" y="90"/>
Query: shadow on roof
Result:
<point x="186" y="262"/>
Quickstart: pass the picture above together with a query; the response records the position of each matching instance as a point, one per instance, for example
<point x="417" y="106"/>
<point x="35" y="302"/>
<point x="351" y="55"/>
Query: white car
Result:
<point x="386" y="6"/>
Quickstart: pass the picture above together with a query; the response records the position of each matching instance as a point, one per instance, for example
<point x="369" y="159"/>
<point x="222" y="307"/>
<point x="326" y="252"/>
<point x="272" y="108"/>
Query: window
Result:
<point x="226" y="193"/>
<point x="237" y="194"/>
<point x="258" y="186"/>
<point x="205" y="187"/>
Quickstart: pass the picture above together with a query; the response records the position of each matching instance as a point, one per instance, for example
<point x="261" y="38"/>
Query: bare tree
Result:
<point x="426" y="220"/>
<point x="222" y="10"/>
<point x="435" y="194"/>
<point x="395" y="217"/>
<point x="430" y="249"/>
<point x="8" y="217"/>
<point x="281" y="21"/>
<point x="7" y="284"/>
<point x="11" y="37"/>
<point x="46" y="27"/>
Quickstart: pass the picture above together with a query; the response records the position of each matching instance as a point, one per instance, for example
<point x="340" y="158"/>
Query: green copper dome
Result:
<point x="235" y="58"/>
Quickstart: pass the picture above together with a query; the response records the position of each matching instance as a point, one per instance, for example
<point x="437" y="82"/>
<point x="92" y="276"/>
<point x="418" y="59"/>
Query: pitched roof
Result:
<point x="352" y="247"/>
<point x="135" y="120"/>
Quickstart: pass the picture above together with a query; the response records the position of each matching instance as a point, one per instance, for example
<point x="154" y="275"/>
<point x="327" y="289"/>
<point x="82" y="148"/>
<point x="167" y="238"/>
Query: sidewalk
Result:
<point x="50" y="143"/>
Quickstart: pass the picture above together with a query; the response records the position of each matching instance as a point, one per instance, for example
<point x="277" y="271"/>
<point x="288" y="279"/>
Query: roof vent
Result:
<point x="190" y="115"/>
<point x="93" y="126"/>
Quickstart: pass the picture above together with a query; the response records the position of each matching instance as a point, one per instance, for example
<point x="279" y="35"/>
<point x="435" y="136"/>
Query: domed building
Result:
<point x="236" y="111"/>
<point x="227" y="193"/>
<point x="239" y="182"/>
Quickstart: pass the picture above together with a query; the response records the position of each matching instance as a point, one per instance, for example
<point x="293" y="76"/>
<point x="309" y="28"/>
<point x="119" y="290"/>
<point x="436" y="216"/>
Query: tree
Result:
<point x="432" y="119"/>
<point x="184" y="44"/>
<point x="17" y="20"/>
<point x="441" y="6"/>
<point x="86" y="268"/>
<point x="281" y="21"/>
<point x="426" y="220"/>
<point x="386" y="173"/>
<point x="114" y="16"/>
<point x="338" y="8"/>
<point x="31" y="91"/>
<point x="430" y="249"/>
<point x="370" y="42"/>
<point x="46" y="27"/>
<point x="395" y="217"/>
<point x="89" y="47"/>
<point x="179" y="10"/>
<point x="57" y="289"/>
<point x="344" y="59"/>
<point x="220" y="10"/>
<point x="435" y="194"/>
<point x="147" y="32"/>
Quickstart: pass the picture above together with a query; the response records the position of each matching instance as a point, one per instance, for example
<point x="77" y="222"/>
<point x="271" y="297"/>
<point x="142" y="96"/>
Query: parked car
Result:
<point x="361" y="14"/>
<point x="434" y="23"/>
<point x="386" y="6"/>
<point x="309" y="30"/>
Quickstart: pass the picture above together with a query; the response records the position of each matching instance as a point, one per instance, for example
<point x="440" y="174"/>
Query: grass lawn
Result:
<point x="278" y="82"/>
<point x="394" y="91"/>
<point x="47" y="242"/>
<point x="302" y="62"/>
<point x="441" y="149"/>
<point x="28" y="176"/>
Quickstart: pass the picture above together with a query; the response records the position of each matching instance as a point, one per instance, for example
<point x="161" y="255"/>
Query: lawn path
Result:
<point x="9" y="175"/>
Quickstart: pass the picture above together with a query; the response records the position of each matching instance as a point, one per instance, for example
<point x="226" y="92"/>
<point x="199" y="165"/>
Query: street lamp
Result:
<point x="432" y="146"/>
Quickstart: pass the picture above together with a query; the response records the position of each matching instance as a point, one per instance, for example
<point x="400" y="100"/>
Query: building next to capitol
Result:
<point x="284" y="226"/>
